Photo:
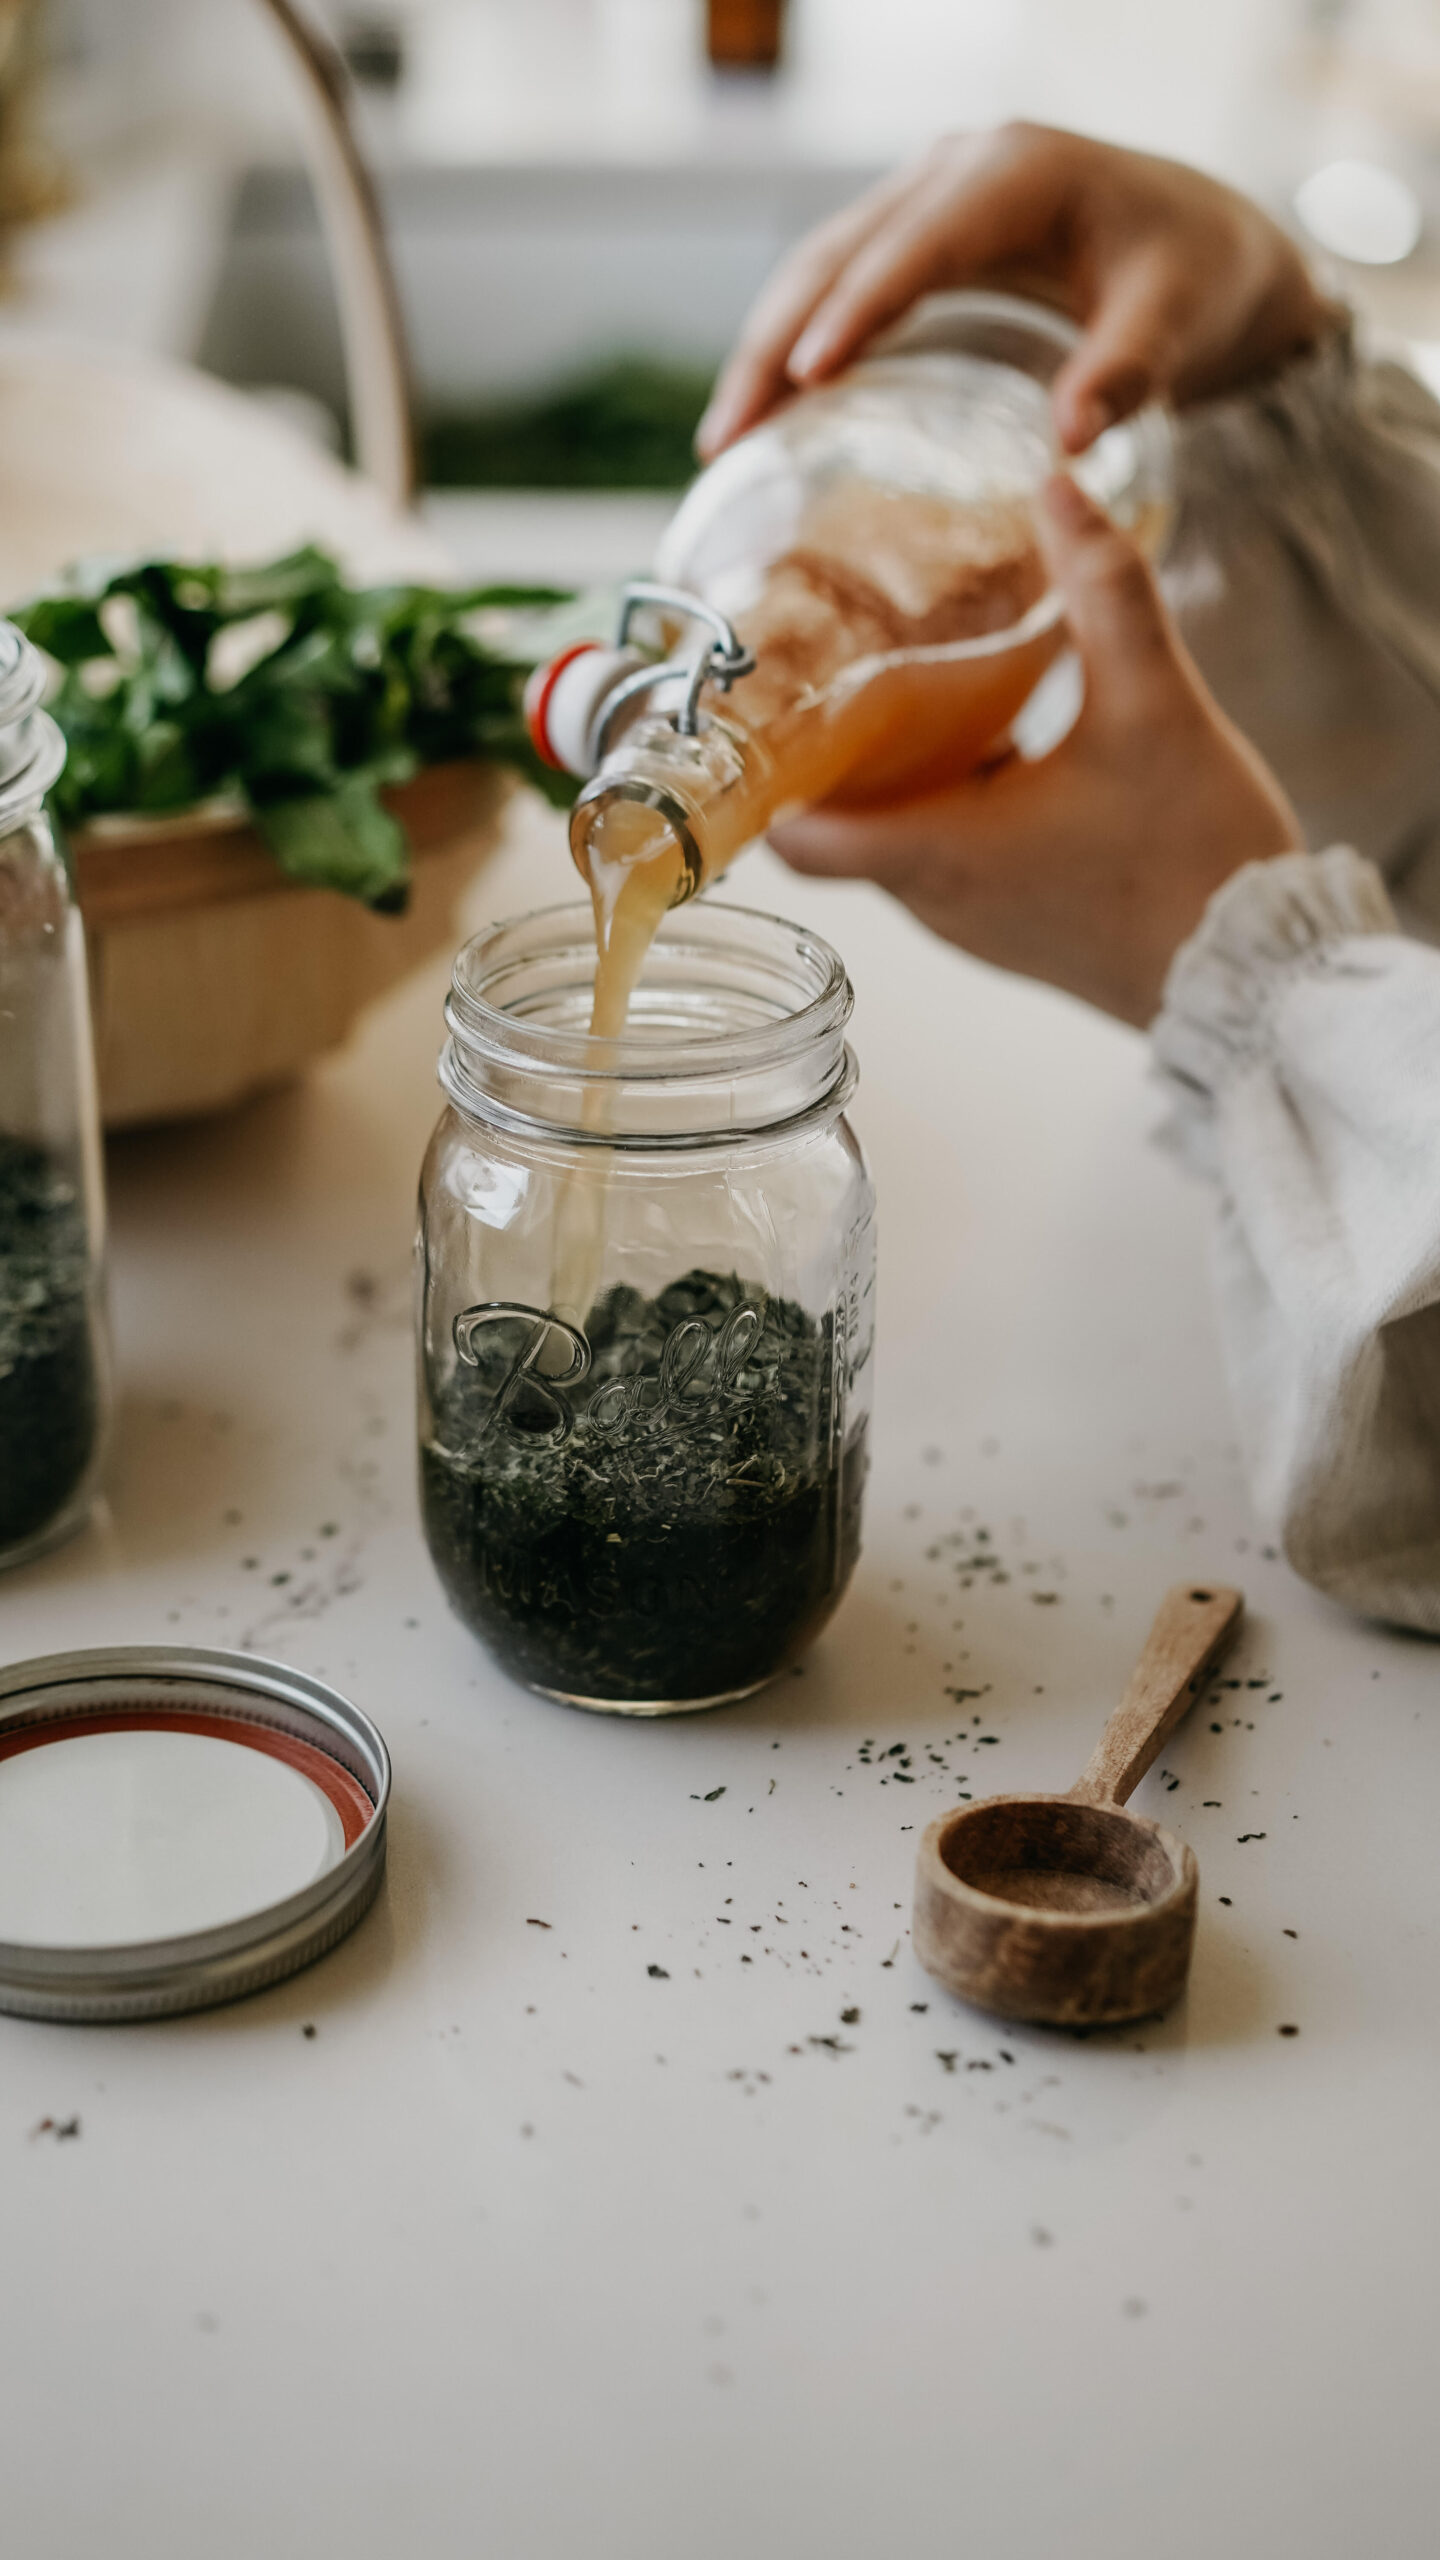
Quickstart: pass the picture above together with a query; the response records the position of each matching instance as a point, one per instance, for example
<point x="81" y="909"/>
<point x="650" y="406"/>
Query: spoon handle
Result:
<point x="1192" y="1628"/>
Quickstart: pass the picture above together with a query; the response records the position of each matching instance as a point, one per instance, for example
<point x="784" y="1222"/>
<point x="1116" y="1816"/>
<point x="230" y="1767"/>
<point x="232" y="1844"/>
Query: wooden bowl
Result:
<point x="213" y="976"/>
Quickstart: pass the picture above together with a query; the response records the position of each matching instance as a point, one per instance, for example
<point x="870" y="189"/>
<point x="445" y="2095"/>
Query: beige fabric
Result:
<point x="1305" y="572"/>
<point x="1299" y="1039"/>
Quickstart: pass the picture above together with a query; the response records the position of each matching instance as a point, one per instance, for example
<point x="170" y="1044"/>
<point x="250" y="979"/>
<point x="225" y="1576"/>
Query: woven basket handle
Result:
<point x="377" y="370"/>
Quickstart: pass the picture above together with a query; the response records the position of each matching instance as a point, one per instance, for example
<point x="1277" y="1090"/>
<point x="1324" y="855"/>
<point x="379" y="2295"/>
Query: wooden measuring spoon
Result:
<point x="1065" y="1910"/>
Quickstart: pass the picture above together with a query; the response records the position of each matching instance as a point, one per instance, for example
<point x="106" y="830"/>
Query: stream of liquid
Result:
<point x="632" y="890"/>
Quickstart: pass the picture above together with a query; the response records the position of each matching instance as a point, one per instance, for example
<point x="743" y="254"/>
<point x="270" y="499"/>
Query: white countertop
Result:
<point x="527" y="2252"/>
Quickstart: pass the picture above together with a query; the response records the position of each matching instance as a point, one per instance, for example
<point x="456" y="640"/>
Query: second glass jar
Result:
<point x="646" y="1277"/>
<point x="53" y="1343"/>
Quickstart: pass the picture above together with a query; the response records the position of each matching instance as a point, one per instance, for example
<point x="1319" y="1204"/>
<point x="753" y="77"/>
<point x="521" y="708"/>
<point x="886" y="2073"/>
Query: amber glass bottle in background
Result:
<point x="745" y="35"/>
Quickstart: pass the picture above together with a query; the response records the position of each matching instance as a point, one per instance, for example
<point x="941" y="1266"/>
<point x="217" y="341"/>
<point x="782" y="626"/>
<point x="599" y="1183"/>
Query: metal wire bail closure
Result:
<point x="572" y="704"/>
<point x="723" y="663"/>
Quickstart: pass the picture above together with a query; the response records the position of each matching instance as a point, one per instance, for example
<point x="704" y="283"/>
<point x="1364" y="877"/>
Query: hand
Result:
<point x="1183" y="287"/>
<point x="1090" y="867"/>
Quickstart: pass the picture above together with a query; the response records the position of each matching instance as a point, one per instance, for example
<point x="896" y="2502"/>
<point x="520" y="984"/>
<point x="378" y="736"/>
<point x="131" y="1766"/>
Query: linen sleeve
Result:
<point x="1305" y="573"/>
<point x="1299" y="1043"/>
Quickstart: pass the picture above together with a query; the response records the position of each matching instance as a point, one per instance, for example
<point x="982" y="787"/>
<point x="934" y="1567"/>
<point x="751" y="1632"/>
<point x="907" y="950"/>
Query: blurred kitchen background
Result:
<point x="583" y="195"/>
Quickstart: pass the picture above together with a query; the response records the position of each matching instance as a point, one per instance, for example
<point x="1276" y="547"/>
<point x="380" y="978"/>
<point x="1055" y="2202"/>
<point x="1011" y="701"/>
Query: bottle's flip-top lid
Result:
<point x="177" y="1827"/>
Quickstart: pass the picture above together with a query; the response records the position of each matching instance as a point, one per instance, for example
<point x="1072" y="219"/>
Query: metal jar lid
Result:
<point x="177" y="1827"/>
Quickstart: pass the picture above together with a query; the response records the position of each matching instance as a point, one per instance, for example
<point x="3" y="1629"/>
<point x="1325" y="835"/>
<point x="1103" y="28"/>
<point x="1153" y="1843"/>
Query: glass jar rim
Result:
<point x="22" y="675"/>
<point x="32" y="759"/>
<point x="673" y="1075"/>
<point x="32" y="747"/>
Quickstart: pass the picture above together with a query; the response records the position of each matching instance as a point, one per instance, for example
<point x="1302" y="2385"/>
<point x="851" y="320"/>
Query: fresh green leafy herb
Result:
<point x="285" y="688"/>
<point x="625" y="425"/>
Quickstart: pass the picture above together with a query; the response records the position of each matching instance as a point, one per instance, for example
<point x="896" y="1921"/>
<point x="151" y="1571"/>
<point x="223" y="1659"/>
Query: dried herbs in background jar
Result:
<point x="49" y="1387"/>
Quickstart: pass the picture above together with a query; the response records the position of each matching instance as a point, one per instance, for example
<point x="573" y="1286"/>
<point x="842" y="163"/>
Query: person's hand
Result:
<point x="1183" y="288"/>
<point x="1091" y="866"/>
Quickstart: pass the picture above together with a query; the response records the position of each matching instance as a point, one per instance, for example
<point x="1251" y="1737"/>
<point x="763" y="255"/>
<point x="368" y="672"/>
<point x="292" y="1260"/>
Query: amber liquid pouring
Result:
<point x="856" y="699"/>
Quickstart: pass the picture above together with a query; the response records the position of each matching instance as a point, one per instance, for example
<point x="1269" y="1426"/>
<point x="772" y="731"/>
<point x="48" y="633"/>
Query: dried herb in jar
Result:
<point x="673" y="1526"/>
<point x="49" y="1404"/>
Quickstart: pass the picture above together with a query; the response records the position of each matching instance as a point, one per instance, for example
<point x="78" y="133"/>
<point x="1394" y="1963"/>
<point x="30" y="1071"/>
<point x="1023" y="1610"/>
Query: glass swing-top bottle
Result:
<point x="849" y="605"/>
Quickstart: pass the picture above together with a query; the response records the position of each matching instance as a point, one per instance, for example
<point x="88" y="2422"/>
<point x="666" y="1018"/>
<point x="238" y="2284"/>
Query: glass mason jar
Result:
<point x="53" y="1362"/>
<point x="646" y="1282"/>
